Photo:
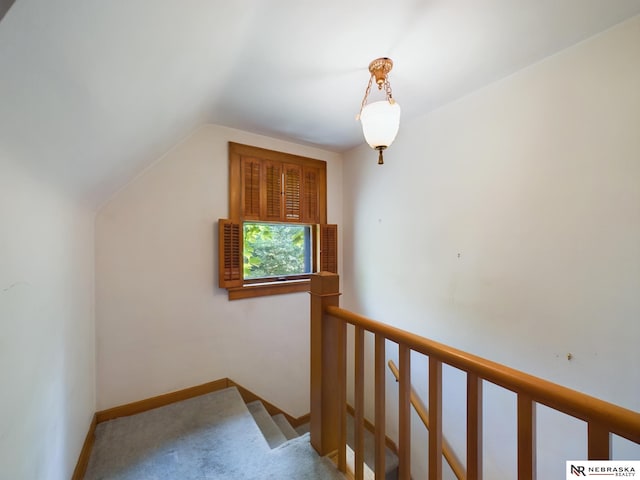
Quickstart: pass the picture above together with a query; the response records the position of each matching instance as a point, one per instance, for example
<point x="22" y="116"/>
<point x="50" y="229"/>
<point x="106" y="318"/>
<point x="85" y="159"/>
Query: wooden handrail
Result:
<point x="328" y="395"/>
<point x="423" y="413"/>
<point x="616" y="419"/>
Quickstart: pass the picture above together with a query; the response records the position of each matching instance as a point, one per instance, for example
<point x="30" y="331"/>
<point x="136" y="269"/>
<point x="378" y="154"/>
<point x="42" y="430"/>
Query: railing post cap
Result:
<point x="325" y="283"/>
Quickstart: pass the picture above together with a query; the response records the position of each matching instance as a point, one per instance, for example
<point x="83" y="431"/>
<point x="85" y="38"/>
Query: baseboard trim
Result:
<point x="167" y="399"/>
<point x="161" y="400"/>
<point x="85" y="453"/>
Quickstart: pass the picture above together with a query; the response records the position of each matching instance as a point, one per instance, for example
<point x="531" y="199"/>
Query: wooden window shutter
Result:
<point x="311" y="196"/>
<point x="230" y="261"/>
<point x="251" y="176"/>
<point x="292" y="194"/>
<point x="329" y="248"/>
<point x="272" y="191"/>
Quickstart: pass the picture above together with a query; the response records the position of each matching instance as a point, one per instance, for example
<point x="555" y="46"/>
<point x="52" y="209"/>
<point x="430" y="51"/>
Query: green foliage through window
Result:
<point x="274" y="250"/>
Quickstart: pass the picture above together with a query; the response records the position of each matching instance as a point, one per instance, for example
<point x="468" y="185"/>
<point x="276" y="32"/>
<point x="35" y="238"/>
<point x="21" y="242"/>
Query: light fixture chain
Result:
<point x="387" y="89"/>
<point x="366" y="95"/>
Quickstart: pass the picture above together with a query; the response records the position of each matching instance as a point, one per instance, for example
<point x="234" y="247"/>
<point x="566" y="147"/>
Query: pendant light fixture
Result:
<point x="380" y="120"/>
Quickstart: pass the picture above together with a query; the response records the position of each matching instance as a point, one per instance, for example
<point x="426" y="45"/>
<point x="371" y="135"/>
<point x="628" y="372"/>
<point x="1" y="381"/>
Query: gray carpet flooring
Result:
<point x="212" y="436"/>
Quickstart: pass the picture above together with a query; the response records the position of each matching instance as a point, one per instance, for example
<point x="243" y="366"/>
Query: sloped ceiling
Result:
<point x="91" y="91"/>
<point x="4" y="7"/>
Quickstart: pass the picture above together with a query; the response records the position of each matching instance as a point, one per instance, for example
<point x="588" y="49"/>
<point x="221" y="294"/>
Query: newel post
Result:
<point x="327" y="356"/>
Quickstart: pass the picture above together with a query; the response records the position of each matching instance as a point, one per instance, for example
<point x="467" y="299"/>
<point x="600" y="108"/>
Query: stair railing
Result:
<point x="328" y="394"/>
<point x="422" y="411"/>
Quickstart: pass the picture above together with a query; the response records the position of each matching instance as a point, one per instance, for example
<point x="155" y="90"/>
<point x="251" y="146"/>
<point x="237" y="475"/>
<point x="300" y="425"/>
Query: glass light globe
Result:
<point x="380" y="122"/>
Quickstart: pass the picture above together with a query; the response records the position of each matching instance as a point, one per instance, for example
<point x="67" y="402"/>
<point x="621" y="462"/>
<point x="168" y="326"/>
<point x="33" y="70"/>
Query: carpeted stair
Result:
<point x="210" y="437"/>
<point x="277" y="430"/>
<point x="272" y="432"/>
<point x="213" y="436"/>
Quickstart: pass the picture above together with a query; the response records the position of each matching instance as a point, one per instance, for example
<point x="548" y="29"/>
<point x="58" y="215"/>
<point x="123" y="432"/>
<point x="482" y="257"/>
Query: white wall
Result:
<point x="517" y="214"/>
<point x="162" y="323"/>
<point x="47" y="349"/>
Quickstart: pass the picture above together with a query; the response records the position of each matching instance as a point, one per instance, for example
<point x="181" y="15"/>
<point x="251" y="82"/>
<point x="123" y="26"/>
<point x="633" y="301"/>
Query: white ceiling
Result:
<point x="91" y="91"/>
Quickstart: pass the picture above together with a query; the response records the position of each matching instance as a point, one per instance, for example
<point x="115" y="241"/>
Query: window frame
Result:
<point x="293" y="276"/>
<point x="312" y="202"/>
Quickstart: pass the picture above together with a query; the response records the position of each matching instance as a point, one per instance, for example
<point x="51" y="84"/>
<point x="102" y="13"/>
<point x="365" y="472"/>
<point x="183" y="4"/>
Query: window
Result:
<point x="276" y="250"/>
<point x="277" y="234"/>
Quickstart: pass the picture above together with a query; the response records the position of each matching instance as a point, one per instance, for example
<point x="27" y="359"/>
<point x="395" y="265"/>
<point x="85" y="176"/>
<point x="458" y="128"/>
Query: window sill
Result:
<point x="271" y="288"/>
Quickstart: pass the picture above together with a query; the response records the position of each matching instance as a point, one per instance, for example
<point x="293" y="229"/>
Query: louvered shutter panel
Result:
<point x="329" y="248"/>
<point x="230" y="261"/>
<point x="251" y="170"/>
<point x="272" y="191"/>
<point x="292" y="194"/>
<point x="311" y="193"/>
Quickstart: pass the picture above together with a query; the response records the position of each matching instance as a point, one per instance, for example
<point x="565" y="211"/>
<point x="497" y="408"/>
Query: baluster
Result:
<point x="435" y="419"/>
<point x="404" y="414"/>
<point x="599" y="442"/>
<point x="342" y="397"/>
<point x="380" y="407"/>
<point x="526" y="438"/>
<point x="358" y="430"/>
<point x="474" y="427"/>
